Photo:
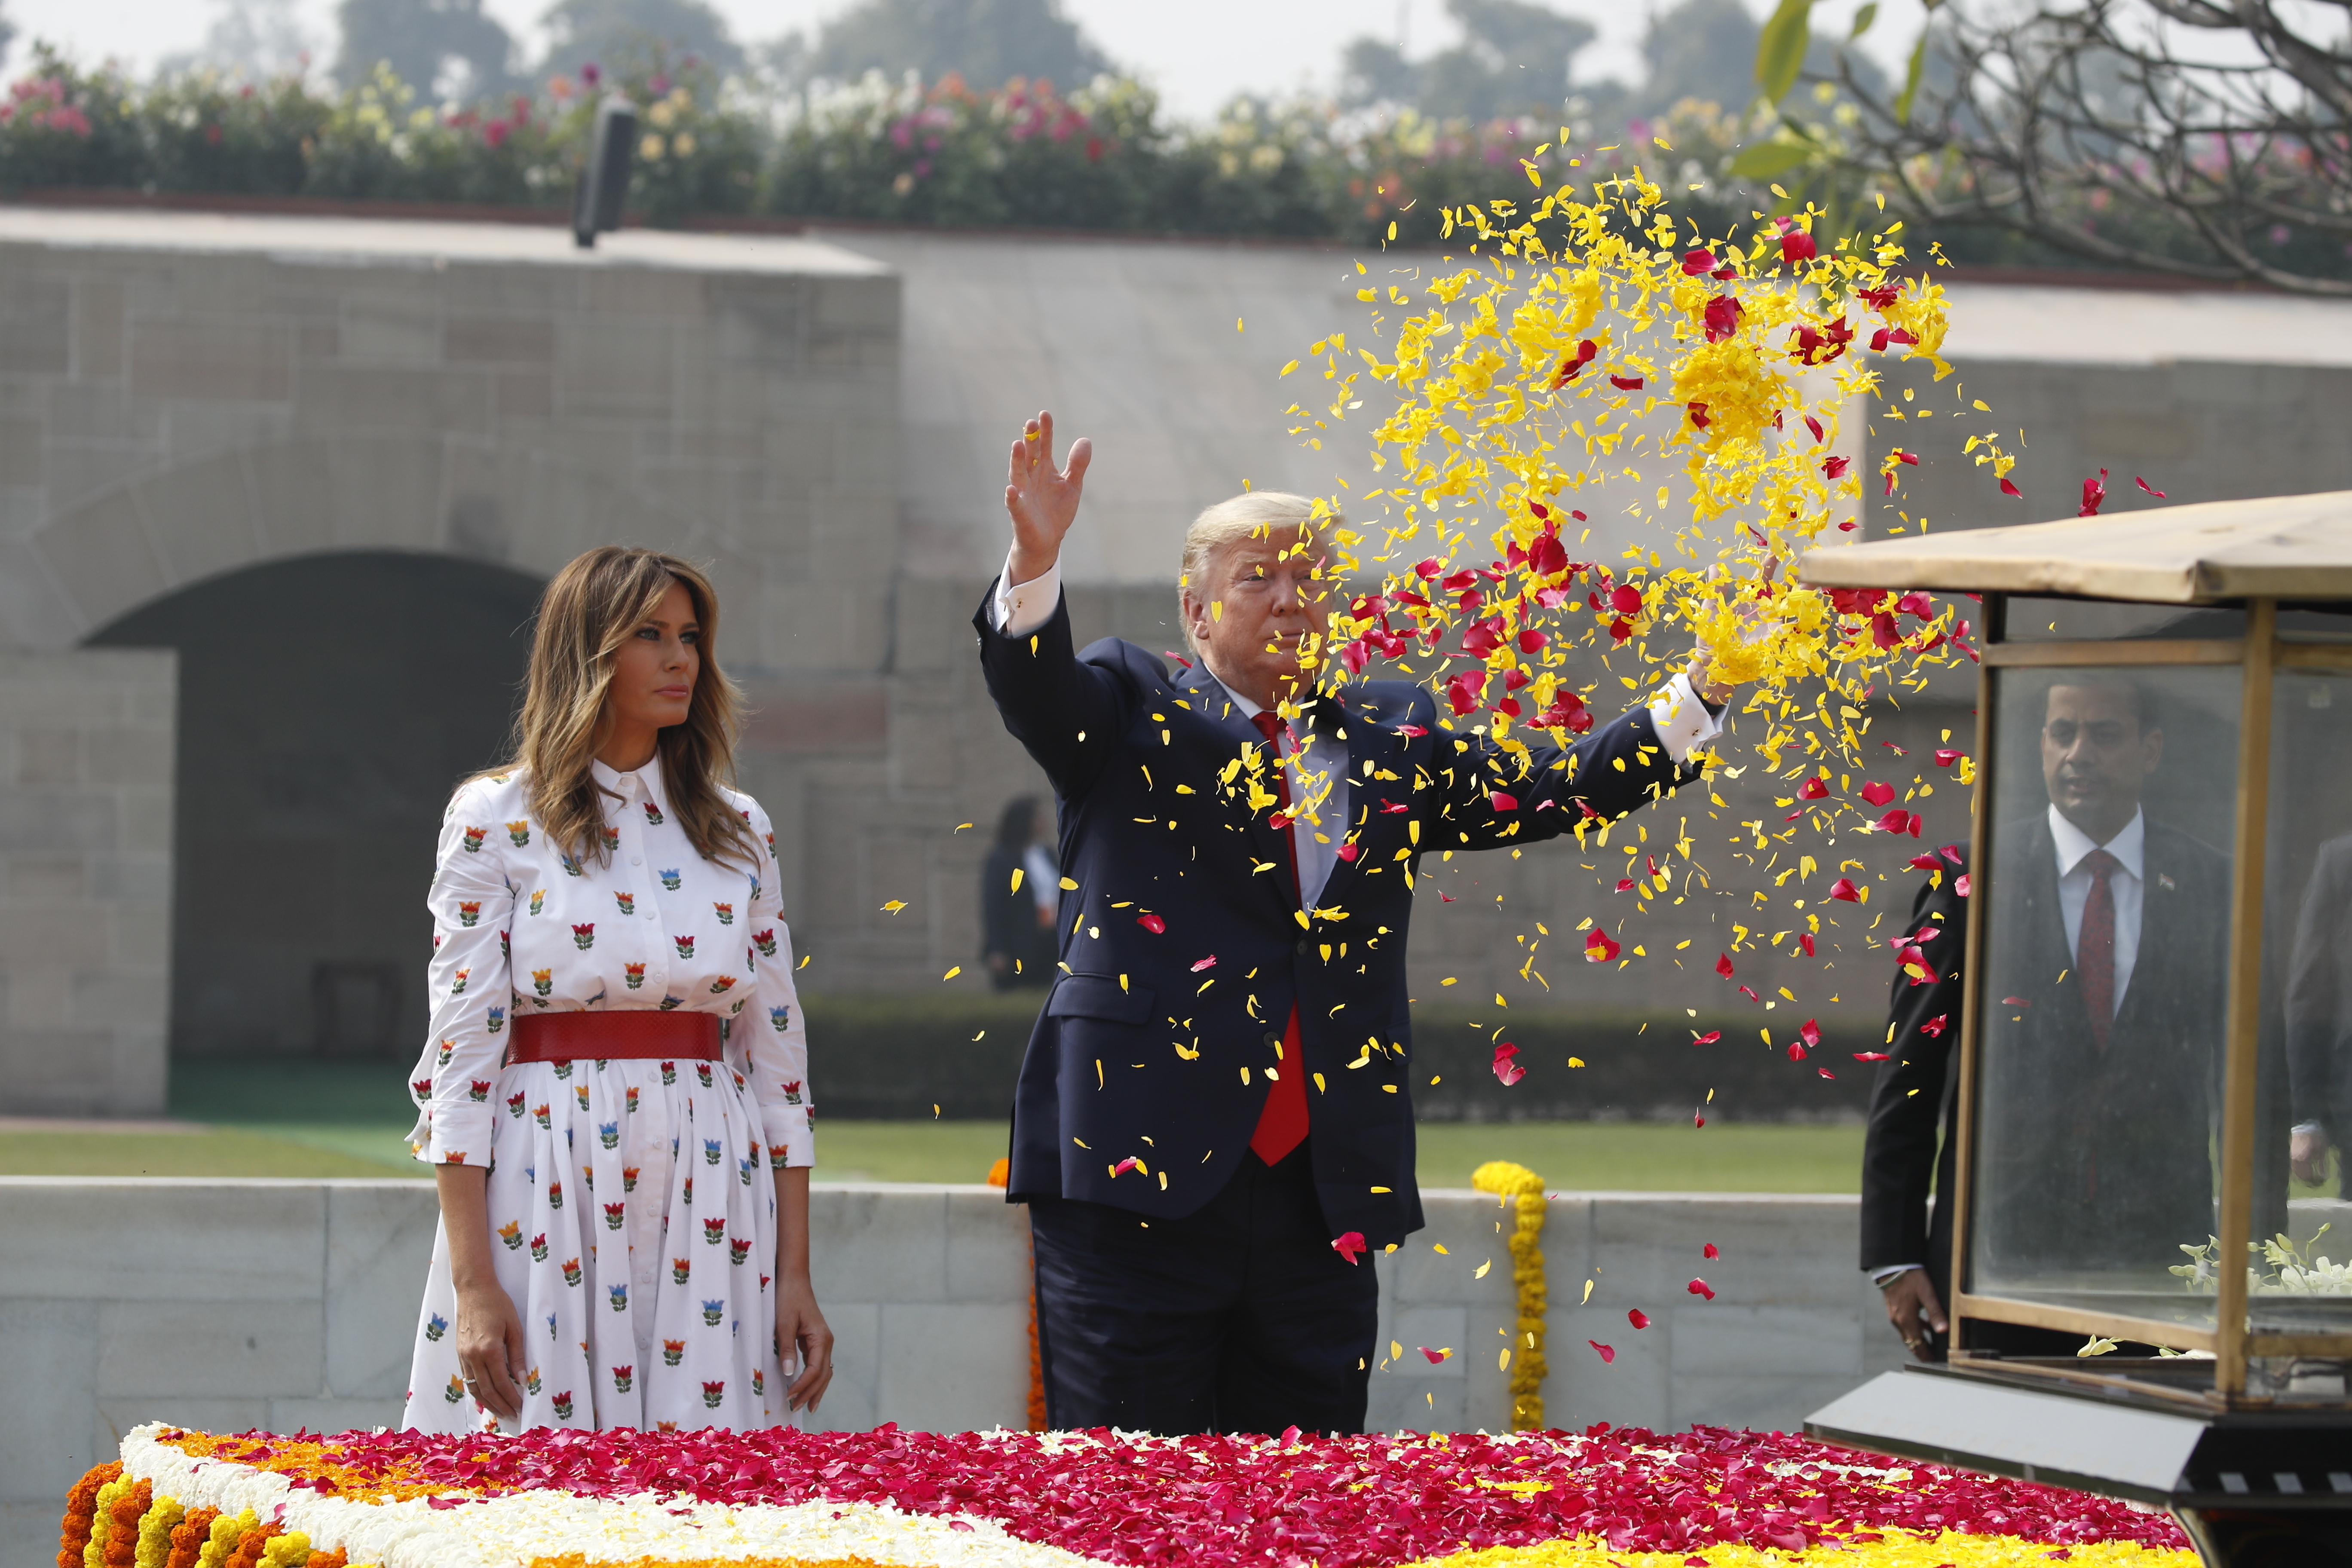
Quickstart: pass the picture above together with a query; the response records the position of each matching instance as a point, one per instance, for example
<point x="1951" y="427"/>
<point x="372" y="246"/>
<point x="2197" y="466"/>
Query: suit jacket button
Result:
<point x="1305" y="946"/>
<point x="1272" y="1038"/>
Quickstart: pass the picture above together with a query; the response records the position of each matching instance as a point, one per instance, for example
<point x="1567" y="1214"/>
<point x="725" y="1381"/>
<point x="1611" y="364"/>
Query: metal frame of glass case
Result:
<point x="2256" y="1463"/>
<point x="2258" y="654"/>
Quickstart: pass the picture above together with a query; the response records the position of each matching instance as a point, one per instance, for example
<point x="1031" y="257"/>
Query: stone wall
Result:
<point x="86" y="782"/>
<point x="185" y="398"/>
<point x="230" y="1305"/>
<point x="822" y="419"/>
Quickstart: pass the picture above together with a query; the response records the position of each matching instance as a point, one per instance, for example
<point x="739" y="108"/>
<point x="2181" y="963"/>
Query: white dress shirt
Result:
<point x="2128" y="887"/>
<point x="1682" y="722"/>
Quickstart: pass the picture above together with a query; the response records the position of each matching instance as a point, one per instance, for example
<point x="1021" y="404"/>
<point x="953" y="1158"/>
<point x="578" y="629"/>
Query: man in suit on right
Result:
<point x="2101" y="1033"/>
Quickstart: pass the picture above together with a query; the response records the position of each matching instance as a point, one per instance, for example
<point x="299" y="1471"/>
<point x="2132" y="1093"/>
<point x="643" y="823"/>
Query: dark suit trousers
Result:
<point x="1237" y="1318"/>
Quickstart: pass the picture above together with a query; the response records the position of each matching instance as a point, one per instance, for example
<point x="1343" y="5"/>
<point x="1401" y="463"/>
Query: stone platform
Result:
<point x="275" y="1304"/>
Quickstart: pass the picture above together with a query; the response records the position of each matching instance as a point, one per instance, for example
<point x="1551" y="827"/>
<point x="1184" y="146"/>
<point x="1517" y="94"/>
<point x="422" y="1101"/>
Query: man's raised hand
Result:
<point x="1042" y="500"/>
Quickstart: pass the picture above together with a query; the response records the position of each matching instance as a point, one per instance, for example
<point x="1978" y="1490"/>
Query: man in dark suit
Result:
<point x="2102" y="1035"/>
<point x="1213" y="1124"/>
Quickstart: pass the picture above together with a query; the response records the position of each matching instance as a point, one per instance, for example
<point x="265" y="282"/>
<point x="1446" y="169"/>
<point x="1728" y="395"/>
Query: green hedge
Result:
<point x="886" y="1058"/>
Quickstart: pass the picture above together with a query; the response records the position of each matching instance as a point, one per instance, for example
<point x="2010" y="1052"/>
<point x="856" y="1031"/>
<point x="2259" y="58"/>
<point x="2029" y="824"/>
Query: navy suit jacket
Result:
<point x="1148" y="1051"/>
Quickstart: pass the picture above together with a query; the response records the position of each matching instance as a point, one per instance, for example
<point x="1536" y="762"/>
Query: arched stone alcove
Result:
<point x="327" y="705"/>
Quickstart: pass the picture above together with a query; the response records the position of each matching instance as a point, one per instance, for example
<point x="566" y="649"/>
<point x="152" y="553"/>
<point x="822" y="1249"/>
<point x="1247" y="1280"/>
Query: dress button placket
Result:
<point x="656" y="950"/>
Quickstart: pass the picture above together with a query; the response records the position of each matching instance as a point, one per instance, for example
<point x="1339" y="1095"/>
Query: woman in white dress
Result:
<point x="616" y="1049"/>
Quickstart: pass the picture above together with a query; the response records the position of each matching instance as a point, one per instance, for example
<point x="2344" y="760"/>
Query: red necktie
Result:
<point x="2094" y="949"/>
<point x="1282" y="1125"/>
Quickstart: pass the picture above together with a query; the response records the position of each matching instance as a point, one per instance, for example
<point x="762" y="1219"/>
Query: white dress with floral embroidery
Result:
<point x="634" y="1224"/>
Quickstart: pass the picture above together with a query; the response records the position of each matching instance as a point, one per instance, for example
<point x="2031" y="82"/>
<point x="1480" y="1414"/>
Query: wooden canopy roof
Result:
<point x="2288" y="547"/>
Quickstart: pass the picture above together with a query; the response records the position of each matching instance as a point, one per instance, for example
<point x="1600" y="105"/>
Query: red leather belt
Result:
<point x="633" y="1034"/>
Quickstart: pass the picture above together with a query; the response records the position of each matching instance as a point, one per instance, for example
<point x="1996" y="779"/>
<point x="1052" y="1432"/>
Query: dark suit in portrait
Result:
<point x="2097" y="1155"/>
<point x="1184" y="950"/>
<point x="1910" y="1149"/>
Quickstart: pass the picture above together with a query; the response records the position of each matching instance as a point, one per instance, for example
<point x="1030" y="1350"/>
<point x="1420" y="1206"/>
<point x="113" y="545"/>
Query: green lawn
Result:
<point x="1626" y="1156"/>
<point x="318" y="1119"/>
<point x="199" y="1151"/>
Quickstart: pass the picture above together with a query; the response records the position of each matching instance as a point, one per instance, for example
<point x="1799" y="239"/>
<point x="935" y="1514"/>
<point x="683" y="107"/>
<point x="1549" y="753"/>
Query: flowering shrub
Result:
<point x="1029" y="153"/>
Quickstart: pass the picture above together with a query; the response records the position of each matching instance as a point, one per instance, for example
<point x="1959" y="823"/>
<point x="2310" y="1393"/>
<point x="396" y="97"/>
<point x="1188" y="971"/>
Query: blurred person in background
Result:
<point x="1019" y="893"/>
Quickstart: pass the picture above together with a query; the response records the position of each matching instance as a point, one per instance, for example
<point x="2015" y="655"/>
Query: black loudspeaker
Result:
<point x="604" y="177"/>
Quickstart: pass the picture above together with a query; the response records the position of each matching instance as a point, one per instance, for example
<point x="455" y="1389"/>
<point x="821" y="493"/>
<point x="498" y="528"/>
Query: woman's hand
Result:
<point x="800" y="1330"/>
<point x="491" y="1349"/>
<point x="1042" y="500"/>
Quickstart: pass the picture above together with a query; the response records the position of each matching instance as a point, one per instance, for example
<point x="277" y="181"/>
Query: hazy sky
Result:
<point x="1198" y="53"/>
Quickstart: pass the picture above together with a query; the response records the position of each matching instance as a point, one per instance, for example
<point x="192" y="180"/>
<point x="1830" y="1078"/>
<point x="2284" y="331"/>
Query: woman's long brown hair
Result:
<point x="592" y="607"/>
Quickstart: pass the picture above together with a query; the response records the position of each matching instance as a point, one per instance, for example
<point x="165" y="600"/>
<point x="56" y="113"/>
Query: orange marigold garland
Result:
<point x="122" y="1517"/>
<point x="81" y="1512"/>
<point x="188" y="1537"/>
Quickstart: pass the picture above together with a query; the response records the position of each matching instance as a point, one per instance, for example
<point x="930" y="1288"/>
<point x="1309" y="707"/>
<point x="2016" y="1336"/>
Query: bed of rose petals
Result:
<point x="1354" y="1502"/>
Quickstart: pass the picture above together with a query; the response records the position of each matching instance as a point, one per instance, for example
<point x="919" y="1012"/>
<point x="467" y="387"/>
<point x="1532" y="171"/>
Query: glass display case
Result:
<point x="2156" y="1063"/>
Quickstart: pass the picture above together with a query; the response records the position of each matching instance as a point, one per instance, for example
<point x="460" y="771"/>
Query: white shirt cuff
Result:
<point x="1022" y="607"/>
<point x="1883" y="1277"/>
<point x="1681" y="719"/>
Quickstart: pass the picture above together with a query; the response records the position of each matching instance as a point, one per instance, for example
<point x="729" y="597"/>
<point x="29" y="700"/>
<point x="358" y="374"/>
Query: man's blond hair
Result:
<point x="1255" y="514"/>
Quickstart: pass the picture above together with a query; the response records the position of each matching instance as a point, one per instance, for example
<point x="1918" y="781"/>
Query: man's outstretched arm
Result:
<point x="1497" y="796"/>
<point x="1064" y="712"/>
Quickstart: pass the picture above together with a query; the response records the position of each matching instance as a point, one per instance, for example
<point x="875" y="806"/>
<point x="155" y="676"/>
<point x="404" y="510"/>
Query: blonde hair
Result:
<point x="1254" y="514"/>
<point x="589" y="610"/>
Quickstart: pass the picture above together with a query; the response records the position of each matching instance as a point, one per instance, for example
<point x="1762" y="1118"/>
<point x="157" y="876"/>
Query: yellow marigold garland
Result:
<point x="1526" y="1356"/>
<point x="156" y="1527"/>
